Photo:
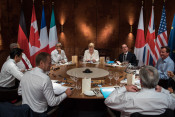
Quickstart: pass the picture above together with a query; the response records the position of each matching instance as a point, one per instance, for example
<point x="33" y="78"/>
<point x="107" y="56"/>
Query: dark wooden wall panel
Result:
<point x="107" y="23"/>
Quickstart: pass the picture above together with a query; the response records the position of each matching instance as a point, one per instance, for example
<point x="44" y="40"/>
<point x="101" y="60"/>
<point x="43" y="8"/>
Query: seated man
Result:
<point x="91" y="55"/>
<point x="24" y="63"/>
<point x="58" y="55"/>
<point x="10" y="71"/>
<point x="127" y="56"/>
<point x="164" y="64"/>
<point x="36" y="86"/>
<point x="150" y="100"/>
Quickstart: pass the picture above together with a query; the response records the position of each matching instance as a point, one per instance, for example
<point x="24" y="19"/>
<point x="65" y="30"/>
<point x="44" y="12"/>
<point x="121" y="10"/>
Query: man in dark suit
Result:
<point x="127" y="56"/>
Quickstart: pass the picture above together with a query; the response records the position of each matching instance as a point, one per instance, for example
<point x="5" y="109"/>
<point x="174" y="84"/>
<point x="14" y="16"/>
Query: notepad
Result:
<point x="106" y="91"/>
<point x="110" y="62"/>
<point x="58" y="89"/>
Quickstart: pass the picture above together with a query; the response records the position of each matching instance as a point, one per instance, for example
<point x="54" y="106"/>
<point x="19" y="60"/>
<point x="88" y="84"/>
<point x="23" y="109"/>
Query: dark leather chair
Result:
<point x="10" y="110"/>
<point x="8" y="94"/>
<point x="13" y="110"/>
<point x="167" y="113"/>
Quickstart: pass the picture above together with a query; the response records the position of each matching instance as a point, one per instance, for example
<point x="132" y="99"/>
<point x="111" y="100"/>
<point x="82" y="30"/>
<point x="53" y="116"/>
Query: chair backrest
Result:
<point x="11" y="110"/>
<point x="8" y="94"/>
<point x="167" y="113"/>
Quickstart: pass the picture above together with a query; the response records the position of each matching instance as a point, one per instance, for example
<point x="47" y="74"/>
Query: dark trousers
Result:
<point x="171" y="83"/>
<point x="163" y="83"/>
<point x="167" y="83"/>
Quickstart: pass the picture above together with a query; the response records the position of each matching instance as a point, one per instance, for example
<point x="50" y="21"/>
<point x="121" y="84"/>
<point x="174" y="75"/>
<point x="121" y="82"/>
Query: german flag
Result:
<point x="22" y="35"/>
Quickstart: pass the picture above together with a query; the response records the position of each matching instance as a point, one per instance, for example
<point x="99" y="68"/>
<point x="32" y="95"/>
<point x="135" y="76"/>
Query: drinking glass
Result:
<point x="79" y="88"/>
<point x="72" y="78"/>
<point x="75" y="79"/>
<point x="107" y="59"/>
<point x="116" y="76"/>
<point x="110" y="76"/>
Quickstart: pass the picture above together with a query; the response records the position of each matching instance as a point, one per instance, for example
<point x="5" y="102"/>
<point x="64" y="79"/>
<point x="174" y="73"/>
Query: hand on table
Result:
<point x="87" y="60"/>
<point x="93" y="60"/>
<point x="68" y="92"/>
<point x="63" y="61"/>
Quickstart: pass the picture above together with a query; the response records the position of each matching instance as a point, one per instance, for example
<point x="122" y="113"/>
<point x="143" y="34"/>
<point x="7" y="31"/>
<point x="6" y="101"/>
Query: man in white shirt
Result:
<point x="150" y="100"/>
<point x="58" y="55"/>
<point x="36" y="87"/>
<point x="91" y="55"/>
<point x="10" y="71"/>
<point x="24" y="63"/>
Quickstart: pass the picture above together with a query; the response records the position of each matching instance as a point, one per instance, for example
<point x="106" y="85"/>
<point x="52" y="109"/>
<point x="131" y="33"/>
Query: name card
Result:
<point x="102" y="60"/>
<point x="130" y="79"/>
<point x="86" y="84"/>
<point x="75" y="59"/>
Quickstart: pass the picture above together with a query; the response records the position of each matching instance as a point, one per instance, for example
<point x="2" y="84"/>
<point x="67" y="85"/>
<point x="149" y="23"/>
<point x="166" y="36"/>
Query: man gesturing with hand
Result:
<point x="129" y="99"/>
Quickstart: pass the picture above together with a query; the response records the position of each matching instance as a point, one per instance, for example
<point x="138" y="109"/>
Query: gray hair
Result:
<point x="149" y="77"/>
<point x="13" y="45"/>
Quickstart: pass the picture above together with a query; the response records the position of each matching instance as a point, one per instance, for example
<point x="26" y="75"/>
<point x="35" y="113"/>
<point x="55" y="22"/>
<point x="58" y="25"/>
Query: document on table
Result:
<point x="58" y="88"/>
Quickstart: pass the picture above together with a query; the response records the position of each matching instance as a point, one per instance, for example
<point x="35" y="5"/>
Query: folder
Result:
<point x="106" y="91"/>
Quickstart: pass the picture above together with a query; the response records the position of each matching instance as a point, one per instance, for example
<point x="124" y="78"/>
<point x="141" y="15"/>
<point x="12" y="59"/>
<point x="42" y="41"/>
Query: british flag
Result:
<point x="162" y="39"/>
<point x="149" y="55"/>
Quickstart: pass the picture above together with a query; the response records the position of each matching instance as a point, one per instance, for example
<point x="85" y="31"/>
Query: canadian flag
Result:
<point x="36" y="45"/>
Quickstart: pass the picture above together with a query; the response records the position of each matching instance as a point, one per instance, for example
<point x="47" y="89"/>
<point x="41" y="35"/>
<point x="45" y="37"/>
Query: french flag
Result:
<point x="44" y="40"/>
<point x="140" y="47"/>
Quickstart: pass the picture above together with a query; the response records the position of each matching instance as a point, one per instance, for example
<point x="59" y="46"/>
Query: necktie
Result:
<point x="124" y="57"/>
<point x="27" y="67"/>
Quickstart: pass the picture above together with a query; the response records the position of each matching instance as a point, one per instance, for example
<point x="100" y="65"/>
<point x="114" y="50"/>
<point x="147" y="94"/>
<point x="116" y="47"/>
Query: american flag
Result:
<point x="149" y="55"/>
<point x="162" y="39"/>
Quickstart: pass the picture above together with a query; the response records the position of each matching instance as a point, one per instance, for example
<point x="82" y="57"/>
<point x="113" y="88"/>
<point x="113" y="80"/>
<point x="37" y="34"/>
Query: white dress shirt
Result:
<point x="88" y="56"/>
<point x="146" y="101"/>
<point x="37" y="91"/>
<point x="9" y="72"/>
<point x="20" y="64"/>
<point x="57" y="57"/>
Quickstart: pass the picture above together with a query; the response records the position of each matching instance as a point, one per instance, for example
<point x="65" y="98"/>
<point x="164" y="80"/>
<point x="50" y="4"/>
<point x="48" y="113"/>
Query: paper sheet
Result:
<point x="58" y="89"/>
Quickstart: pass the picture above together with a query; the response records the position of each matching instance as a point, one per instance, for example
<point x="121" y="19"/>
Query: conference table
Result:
<point x="79" y="104"/>
<point x="60" y="74"/>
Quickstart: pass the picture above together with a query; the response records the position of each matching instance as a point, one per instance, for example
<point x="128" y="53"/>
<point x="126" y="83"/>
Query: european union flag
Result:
<point x="171" y="42"/>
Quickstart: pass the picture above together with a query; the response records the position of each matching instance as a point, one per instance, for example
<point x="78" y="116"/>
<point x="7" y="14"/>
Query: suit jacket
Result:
<point x="130" y="57"/>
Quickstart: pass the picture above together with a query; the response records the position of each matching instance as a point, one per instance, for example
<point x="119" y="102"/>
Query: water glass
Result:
<point x="116" y="76"/>
<point x="107" y="59"/>
<point x="110" y="76"/>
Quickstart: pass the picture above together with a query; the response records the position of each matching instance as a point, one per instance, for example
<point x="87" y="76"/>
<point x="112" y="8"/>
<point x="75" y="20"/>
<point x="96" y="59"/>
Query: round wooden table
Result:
<point x="59" y="73"/>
